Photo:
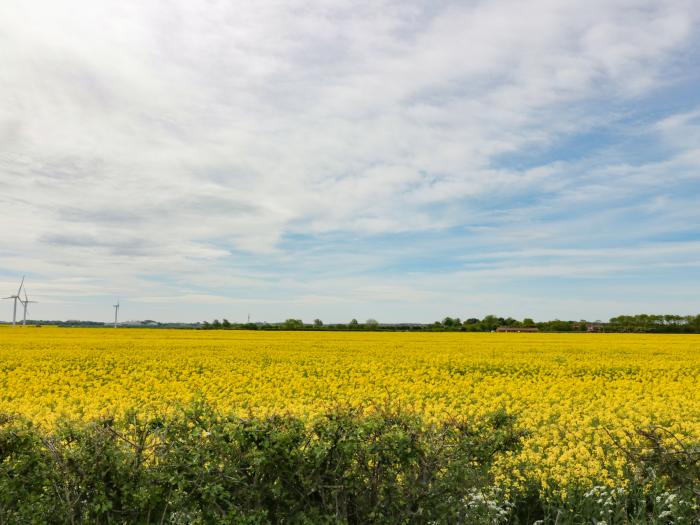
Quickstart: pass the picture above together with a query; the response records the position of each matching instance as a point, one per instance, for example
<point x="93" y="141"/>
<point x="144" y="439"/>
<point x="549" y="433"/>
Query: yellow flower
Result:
<point x="571" y="391"/>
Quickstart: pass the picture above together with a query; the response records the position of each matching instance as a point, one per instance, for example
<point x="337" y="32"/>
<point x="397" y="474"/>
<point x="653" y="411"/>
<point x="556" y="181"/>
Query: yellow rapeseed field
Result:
<point x="565" y="388"/>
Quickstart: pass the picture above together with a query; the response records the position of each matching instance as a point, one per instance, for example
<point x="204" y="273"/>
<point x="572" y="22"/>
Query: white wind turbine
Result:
<point x="16" y="297"/>
<point x="25" y="303"/>
<point x="116" y="312"/>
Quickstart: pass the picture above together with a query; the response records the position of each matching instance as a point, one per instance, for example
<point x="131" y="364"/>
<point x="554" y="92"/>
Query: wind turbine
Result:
<point x="116" y="312"/>
<point x="25" y="303"/>
<point x="16" y="297"/>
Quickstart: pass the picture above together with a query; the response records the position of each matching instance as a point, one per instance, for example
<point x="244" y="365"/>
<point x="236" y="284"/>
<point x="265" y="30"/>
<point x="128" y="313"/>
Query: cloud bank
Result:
<point x="397" y="160"/>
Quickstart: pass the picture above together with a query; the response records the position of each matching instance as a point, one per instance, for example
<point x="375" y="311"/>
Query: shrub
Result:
<point x="201" y="466"/>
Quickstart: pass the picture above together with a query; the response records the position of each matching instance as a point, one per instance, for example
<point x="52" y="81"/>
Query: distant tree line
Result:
<point x="655" y="323"/>
<point x="642" y="323"/>
<point x="298" y="324"/>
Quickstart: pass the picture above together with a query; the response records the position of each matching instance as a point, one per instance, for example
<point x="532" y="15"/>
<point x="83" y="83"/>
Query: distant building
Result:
<point x="594" y="327"/>
<point x="516" y="329"/>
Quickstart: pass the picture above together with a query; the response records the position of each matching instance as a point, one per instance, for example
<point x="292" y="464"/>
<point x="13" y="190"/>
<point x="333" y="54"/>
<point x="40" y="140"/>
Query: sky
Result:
<point x="337" y="159"/>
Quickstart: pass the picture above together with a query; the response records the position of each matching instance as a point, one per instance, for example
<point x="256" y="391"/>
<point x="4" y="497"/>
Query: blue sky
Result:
<point x="402" y="161"/>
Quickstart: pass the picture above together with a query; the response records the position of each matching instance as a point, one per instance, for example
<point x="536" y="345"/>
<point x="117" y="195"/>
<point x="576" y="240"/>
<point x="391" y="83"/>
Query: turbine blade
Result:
<point x="20" y="285"/>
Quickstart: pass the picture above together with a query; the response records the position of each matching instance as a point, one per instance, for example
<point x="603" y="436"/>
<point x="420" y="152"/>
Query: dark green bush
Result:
<point x="200" y="466"/>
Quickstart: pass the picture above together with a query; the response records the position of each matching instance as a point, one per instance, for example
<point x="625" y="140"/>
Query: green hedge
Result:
<point x="388" y="466"/>
<point x="200" y="466"/>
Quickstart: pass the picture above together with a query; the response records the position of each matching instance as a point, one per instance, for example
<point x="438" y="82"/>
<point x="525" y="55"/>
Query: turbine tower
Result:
<point x="25" y="303"/>
<point x="116" y="312"/>
<point x="16" y="297"/>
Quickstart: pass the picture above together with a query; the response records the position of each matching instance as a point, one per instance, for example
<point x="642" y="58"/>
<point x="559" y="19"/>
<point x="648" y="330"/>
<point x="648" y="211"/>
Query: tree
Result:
<point x="491" y="322"/>
<point x="528" y="323"/>
<point x="448" y="322"/>
<point x="559" y="326"/>
<point x="318" y="323"/>
<point x="371" y="324"/>
<point x="293" y="324"/>
<point x="226" y="324"/>
<point x="216" y="325"/>
<point x="354" y="324"/>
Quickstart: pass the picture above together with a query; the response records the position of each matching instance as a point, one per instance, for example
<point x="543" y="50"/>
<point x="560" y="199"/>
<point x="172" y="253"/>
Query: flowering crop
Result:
<point x="575" y="393"/>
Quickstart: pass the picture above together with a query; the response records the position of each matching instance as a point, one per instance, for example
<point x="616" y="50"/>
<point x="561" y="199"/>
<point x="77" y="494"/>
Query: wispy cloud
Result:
<point x="262" y="151"/>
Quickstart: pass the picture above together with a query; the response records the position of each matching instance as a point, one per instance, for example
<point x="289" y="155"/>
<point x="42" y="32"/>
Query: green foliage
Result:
<point x="388" y="466"/>
<point x="293" y="324"/>
<point x="449" y="322"/>
<point x="371" y="324"/>
<point x="201" y="466"/>
<point x="655" y="323"/>
<point x="643" y="323"/>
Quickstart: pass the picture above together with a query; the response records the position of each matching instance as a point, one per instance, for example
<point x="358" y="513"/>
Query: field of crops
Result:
<point x="572" y="392"/>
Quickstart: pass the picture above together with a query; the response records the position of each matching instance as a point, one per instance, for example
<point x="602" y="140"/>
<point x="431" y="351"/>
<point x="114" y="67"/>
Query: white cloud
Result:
<point x="159" y="138"/>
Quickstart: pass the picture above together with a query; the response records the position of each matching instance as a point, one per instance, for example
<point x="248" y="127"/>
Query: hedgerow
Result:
<point x="202" y="466"/>
<point x="387" y="465"/>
